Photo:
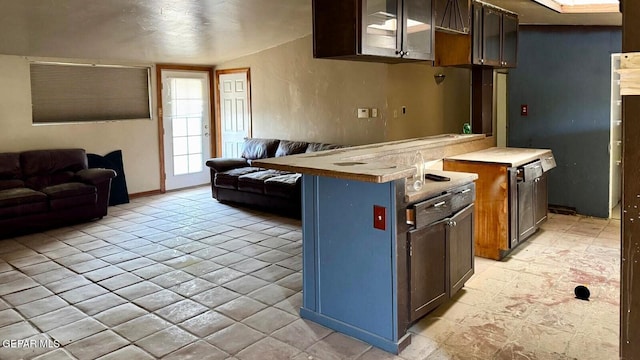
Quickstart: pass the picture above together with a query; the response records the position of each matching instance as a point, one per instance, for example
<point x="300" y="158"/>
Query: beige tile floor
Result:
<point x="180" y="276"/>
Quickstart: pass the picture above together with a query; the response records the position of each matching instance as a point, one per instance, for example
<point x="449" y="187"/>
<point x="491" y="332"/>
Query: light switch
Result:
<point x="363" y="113"/>
<point x="374" y="112"/>
<point x="379" y="217"/>
<point x="524" y="110"/>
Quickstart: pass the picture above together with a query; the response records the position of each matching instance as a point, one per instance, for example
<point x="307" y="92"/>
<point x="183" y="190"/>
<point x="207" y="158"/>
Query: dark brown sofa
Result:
<point x="235" y="180"/>
<point x="41" y="189"/>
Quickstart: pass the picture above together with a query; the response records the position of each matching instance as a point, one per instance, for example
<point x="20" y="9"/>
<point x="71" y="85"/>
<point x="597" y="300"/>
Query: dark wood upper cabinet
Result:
<point x="452" y="16"/>
<point x="509" y="40"/>
<point x="493" y="40"/>
<point x="373" y="30"/>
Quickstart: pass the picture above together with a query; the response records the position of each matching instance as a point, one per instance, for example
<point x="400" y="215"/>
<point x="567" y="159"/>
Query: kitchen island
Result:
<point x="378" y="255"/>
<point x="511" y="199"/>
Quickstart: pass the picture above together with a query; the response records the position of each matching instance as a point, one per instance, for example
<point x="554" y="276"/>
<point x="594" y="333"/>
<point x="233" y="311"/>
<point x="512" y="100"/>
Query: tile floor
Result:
<point x="180" y="276"/>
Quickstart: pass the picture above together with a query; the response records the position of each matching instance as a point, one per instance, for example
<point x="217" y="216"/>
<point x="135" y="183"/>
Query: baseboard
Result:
<point x="145" y="194"/>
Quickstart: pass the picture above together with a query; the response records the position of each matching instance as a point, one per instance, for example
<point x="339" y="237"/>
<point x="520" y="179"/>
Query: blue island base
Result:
<point x="373" y="339"/>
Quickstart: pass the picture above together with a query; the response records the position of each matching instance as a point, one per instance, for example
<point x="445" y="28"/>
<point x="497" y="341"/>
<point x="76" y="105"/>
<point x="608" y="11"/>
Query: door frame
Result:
<point x="159" y="68"/>
<point x="218" y="117"/>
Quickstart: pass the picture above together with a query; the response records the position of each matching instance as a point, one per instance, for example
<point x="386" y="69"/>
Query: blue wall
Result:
<point x="563" y="74"/>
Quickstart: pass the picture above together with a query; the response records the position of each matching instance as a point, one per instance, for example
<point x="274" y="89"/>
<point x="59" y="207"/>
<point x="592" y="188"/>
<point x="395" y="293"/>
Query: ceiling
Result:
<point x="185" y="31"/>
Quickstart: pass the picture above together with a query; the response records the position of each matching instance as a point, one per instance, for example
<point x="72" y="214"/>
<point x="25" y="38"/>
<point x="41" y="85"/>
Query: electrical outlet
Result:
<point x="379" y="217"/>
<point x="404" y="110"/>
<point x="363" y="113"/>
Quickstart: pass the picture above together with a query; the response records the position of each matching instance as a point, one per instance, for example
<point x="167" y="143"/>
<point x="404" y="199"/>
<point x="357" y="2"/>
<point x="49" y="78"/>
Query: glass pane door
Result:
<point x="419" y="32"/>
<point x="381" y="27"/>
<point x="186" y="104"/>
<point x="492" y="23"/>
<point x="186" y="117"/>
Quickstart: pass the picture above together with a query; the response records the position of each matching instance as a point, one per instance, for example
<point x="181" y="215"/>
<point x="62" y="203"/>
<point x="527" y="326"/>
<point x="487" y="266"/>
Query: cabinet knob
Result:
<point x="399" y="52"/>
<point x="481" y="61"/>
<point x="406" y="53"/>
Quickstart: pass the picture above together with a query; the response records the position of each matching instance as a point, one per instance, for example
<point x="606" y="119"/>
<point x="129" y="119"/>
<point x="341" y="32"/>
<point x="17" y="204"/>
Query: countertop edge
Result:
<point x="538" y="155"/>
<point x="433" y="188"/>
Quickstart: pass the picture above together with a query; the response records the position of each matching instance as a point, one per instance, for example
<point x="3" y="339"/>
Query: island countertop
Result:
<point x="508" y="156"/>
<point x="363" y="162"/>
<point x="433" y="188"/>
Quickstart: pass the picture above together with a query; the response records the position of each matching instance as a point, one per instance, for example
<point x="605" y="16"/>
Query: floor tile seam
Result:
<point x="128" y="343"/>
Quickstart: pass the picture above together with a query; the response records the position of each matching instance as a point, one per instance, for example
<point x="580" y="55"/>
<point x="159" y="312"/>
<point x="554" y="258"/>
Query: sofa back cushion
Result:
<point x="287" y="147"/>
<point x="259" y="148"/>
<point x="10" y="174"/>
<point x="313" y="147"/>
<point x="42" y="168"/>
<point x="10" y="166"/>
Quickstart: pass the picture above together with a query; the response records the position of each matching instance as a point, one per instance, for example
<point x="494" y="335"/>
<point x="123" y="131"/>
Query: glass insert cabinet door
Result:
<point x="381" y="27"/>
<point x="418" y="36"/>
<point x="491" y="33"/>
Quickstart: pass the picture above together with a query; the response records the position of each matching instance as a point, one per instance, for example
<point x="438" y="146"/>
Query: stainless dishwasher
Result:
<point x="527" y="201"/>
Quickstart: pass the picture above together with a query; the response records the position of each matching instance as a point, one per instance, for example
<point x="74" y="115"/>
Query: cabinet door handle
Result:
<point x="439" y="204"/>
<point x="465" y="191"/>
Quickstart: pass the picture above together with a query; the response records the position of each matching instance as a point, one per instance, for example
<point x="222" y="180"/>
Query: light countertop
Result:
<point x="506" y="156"/>
<point x="361" y="162"/>
<point x="432" y="188"/>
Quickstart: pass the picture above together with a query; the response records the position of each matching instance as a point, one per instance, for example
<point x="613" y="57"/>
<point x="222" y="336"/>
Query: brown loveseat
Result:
<point x="235" y="180"/>
<point x="40" y="189"/>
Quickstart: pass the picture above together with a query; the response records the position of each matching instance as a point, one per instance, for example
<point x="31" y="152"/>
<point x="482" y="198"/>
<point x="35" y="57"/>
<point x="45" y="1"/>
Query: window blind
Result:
<point x="62" y="93"/>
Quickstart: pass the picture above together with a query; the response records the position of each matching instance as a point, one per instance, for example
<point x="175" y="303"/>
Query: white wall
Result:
<point x="297" y="97"/>
<point x="138" y="139"/>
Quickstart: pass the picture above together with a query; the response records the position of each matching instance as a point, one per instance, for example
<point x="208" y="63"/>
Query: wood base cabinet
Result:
<point x="509" y="207"/>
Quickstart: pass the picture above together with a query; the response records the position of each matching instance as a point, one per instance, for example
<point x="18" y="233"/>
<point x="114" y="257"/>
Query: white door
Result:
<point x="235" y="114"/>
<point x="186" y="113"/>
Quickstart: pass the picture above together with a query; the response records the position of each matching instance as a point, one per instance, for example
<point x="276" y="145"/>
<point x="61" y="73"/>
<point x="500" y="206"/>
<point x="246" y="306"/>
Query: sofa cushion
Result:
<point x="20" y="196"/>
<point x="70" y="195"/>
<point x="254" y="182"/>
<point x="287" y="147"/>
<point x="68" y="190"/>
<point x="259" y="148"/>
<point x="286" y="186"/>
<point x="229" y="179"/>
<point x="10" y="184"/>
<point x="10" y="166"/>
<point x="313" y="147"/>
<point x="21" y="201"/>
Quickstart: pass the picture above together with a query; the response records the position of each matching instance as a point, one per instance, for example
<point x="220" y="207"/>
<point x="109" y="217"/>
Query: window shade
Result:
<point x="79" y="93"/>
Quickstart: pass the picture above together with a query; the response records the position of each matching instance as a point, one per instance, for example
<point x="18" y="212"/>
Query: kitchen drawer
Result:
<point x="532" y="170"/>
<point x="462" y="196"/>
<point x="548" y="163"/>
<point x="432" y="210"/>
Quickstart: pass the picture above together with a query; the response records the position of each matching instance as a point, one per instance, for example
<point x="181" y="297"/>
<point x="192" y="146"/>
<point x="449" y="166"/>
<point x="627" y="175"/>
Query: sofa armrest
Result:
<point x="95" y="176"/>
<point x="224" y="164"/>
